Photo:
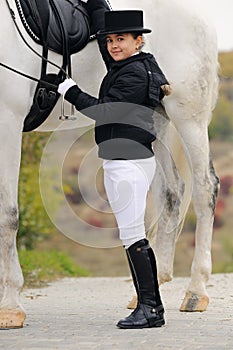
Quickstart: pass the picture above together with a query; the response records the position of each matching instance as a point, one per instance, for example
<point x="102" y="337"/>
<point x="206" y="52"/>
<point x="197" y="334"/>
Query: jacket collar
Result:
<point x="140" y="57"/>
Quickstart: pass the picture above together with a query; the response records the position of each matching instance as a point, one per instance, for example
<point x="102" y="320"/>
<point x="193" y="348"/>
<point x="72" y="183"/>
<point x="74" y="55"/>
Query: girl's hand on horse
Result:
<point x="167" y="89"/>
<point x="65" y="86"/>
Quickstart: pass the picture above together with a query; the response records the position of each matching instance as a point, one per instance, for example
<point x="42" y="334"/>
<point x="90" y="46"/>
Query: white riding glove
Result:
<point x="65" y="86"/>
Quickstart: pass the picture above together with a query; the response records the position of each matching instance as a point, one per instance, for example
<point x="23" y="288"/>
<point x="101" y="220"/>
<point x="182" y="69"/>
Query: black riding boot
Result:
<point x="149" y="311"/>
<point x="135" y="283"/>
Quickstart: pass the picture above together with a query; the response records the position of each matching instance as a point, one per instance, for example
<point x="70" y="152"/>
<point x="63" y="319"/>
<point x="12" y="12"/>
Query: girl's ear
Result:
<point x="139" y="42"/>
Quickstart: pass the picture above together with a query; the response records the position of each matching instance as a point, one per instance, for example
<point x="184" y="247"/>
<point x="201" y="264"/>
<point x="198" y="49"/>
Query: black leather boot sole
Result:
<point x="143" y="316"/>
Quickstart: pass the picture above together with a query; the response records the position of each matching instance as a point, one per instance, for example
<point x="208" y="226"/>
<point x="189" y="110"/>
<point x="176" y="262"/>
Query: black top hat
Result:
<point x="124" y="21"/>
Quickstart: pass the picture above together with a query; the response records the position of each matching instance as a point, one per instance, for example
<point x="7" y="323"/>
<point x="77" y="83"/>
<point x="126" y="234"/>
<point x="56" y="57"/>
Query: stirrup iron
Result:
<point x="63" y="116"/>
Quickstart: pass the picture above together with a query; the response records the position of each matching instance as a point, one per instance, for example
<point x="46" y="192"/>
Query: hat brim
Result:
<point x="124" y="30"/>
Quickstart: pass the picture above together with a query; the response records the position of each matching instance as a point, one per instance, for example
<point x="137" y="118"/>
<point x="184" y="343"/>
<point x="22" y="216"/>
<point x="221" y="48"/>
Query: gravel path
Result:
<point x="81" y="313"/>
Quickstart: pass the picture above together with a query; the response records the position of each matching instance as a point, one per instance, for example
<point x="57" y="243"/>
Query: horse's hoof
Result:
<point x="11" y="318"/>
<point x="164" y="277"/>
<point x="194" y="303"/>
<point x="133" y="303"/>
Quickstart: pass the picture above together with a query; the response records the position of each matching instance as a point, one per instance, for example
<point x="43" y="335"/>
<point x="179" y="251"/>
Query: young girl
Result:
<point x="130" y="93"/>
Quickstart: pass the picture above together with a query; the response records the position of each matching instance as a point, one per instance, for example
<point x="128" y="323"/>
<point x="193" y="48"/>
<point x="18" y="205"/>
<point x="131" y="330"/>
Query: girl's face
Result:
<point x="122" y="46"/>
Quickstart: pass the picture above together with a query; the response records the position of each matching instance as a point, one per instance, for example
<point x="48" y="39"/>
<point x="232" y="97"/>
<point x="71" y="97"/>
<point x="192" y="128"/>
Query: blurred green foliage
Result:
<point x="41" y="267"/>
<point x="225" y="263"/>
<point x="226" y="66"/>
<point x="33" y="219"/>
<point x="221" y="126"/>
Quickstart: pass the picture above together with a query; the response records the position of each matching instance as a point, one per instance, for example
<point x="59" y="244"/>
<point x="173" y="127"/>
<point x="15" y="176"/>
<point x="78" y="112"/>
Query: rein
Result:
<point x="34" y="51"/>
<point x="27" y="76"/>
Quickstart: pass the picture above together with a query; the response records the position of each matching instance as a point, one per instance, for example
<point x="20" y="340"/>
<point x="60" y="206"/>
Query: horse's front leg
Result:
<point x="11" y="281"/>
<point x="205" y="189"/>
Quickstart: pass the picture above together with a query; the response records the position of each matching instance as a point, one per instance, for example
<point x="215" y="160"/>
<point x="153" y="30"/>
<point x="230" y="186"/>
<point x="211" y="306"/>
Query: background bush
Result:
<point x="34" y="222"/>
<point x="221" y="126"/>
<point x="40" y="267"/>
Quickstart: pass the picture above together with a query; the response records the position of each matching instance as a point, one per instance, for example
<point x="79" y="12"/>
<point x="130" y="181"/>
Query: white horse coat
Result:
<point x="184" y="43"/>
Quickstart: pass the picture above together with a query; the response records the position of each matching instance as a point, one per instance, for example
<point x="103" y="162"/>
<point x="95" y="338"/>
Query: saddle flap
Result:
<point x="44" y="101"/>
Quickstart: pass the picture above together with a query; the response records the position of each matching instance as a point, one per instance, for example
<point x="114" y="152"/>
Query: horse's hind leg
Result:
<point x="170" y="199"/>
<point x="172" y="191"/>
<point x="205" y="189"/>
<point x="11" y="282"/>
<point x="163" y="228"/>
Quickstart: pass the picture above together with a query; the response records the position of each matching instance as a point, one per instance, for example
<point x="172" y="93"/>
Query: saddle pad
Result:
<point x="42" y="23"/>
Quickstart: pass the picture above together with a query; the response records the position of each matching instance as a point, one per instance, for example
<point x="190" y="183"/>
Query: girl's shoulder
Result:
<point x="134" y="63"/>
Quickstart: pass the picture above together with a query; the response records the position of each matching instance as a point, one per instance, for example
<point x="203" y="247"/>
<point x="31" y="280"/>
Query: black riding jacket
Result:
<point x="128" y="96"/>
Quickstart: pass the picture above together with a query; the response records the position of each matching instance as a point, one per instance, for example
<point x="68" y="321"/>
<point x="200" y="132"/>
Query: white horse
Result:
<point x="184" y="43"/>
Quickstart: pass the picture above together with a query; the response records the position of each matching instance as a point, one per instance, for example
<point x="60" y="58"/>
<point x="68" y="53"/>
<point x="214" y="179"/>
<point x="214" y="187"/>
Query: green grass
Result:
<point x="41" y="267"/>
<point x="223" y="267"/>
<point x="224" y="262"/>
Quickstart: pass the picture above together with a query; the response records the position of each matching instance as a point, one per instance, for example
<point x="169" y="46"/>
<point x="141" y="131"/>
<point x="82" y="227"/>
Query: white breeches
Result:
<point x="127" y="183"/>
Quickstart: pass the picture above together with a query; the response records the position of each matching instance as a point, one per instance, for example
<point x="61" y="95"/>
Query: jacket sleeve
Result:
<point x="156" y="80"/>
<point x="96" y="10"/>
<point x="130" y="87"/>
